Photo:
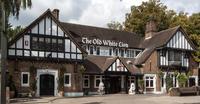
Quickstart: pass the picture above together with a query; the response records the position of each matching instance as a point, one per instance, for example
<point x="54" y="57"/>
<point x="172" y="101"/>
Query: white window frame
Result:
<point x="149" y="81"/>
<point x="25" y="84"/>
<point x="130" y="79"/>
<point x="95" y="79"/>
<point x="88" y="81"/>
<point x="67" y="84"/>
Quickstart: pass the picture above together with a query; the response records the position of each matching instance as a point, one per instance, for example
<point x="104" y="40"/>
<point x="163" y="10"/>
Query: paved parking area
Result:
<point x="121" y="99"/>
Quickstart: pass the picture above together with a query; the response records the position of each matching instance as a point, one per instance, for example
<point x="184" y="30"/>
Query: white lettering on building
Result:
<point x="104" y="42"/>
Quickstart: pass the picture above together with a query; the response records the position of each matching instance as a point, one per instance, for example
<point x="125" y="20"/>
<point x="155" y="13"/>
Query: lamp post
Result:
<point x="3" y="54"/>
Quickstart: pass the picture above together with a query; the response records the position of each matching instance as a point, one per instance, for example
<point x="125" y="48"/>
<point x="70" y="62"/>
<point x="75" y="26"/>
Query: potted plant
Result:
<point x="182" y="78"/>
<point x="141" y="85"/>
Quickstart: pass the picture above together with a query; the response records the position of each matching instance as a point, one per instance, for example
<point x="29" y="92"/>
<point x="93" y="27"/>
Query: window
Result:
<point x="186" y="55"/>
<point x="136" y="53"/>
<point x="98" y="50"/>
<point x="110" y="51"/>
<point x="86" y="81"/>
<point x="133" y="53"/>
<point x="91" y="50"/>
<point x="131" y="80"/>
<point x="67" y="79"/>
<point x="149" y="80"/>
<point x="61" y="45"/>
<point x="54" y="44"/>
<point x="41" y="44"/>
<point x="163" y="53"/>
<point x="25" y="79"/>
<point x="47" y="44"/>
<point x="97" y="80"/>
<point x="34" y="43"/>
<point x="174" y="56"/>
<point x="116" y="52"/>
<point x="122" y="53"/>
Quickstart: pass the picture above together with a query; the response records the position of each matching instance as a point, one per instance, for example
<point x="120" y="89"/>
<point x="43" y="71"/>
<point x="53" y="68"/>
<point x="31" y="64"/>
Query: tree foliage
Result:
<point x="115" y="25"/>
<point x="11" y="32"/>
<point x="136" y="20"/>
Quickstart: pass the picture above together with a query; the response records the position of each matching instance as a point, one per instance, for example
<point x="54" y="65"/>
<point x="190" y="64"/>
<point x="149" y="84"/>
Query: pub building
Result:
<point x="74" y="59"/>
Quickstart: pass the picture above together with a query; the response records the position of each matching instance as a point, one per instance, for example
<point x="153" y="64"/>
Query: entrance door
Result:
<point x="115" y="84"/>
<point x="47" y="84"/>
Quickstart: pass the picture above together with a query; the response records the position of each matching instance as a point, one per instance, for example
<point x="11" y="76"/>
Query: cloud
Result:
<point x="94" y="12"/>
<point x="88" y="12"/>
<point x="189" y="6"/>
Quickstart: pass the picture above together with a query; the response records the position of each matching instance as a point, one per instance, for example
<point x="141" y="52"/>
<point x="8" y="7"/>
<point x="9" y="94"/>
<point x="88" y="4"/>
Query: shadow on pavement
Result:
<point x="94" y="103"/>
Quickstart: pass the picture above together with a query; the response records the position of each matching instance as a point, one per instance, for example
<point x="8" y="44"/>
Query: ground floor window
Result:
<point x="172" y="75"/>
<point x="86" y="81"/>
<point x="149" y="80"/>
<point x="25" y="79"/>
<point x="97" y="80"/>
<point x="67" y="79"/>
<point x="131" y="79"/>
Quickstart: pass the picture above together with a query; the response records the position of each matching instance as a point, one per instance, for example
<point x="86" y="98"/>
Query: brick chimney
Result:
<point x="150" y="29"/>
<point x="55" y="13"/>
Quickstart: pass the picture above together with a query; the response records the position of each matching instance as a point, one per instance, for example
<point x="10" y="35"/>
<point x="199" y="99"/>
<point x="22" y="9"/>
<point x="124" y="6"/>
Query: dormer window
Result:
<point x="98" y="50"/>
<point x="91" y="50"/>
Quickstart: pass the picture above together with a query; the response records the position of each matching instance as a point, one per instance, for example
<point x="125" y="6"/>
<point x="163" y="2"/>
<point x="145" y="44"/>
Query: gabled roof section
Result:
<point x="99" y="64"/>
<point x="159" y="40"/>
<point x="45" y="14"/>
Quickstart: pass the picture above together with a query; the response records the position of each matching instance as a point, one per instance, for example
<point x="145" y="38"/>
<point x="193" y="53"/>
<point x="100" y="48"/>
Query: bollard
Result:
<point x="7" y="95"/>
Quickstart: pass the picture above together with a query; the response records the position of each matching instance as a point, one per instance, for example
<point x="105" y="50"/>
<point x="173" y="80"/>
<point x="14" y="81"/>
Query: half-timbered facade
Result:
<point x="62" y="57"/>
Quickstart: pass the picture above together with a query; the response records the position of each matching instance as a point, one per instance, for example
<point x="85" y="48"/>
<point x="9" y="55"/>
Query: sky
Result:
<point x="94" y="12"/>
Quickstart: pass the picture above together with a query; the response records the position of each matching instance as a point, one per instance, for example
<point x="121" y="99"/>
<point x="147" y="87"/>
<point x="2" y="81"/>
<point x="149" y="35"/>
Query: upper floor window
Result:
<point x="110" y="51"/>
<point x="116" y="51"/>
<point x="91" y="49"/>
<point x="136" y="52"/>
<point x="174" y="56"/>
<point x="122" y="53"/>
<point x="98" y="50"/>
<point x="163" y="53"/>
<point x="60" y="45"/>
<point x="48" y="44"/>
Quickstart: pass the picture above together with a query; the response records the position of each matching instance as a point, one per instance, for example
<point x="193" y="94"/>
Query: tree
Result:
<point x="140" y="15"/>
<point x="115" y="25"/>
<point x="7" y="7"/>
<point x="11" y="32"/>
<point x="180" y="19"/>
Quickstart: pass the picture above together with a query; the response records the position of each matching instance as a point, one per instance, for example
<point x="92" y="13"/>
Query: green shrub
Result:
<point x="182" y="78"/>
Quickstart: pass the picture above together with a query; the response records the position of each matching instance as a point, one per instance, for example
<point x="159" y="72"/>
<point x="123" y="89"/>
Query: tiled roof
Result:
<point x="79" y="31"/>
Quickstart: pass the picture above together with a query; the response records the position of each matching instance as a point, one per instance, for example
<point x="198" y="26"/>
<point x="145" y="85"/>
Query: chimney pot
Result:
<point x="55" y="13"/>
